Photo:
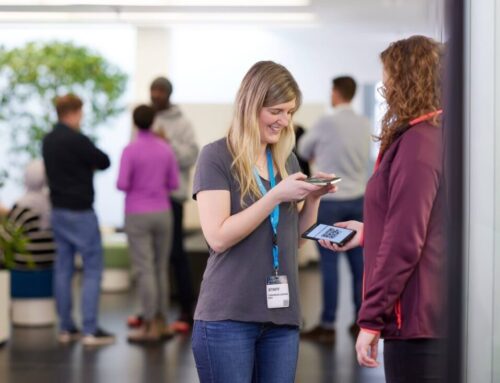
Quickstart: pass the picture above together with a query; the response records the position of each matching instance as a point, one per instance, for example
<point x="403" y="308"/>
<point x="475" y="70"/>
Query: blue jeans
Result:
<point x="245" y="352"/>
<point x="77" y="231"/>
<point x="330" y="212"/>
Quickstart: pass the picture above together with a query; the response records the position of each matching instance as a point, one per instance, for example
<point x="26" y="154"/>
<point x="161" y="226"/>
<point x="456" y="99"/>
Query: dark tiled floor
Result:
<point x="33" y="355"/>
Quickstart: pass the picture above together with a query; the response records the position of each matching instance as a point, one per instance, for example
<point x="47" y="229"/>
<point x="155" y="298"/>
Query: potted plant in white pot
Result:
<point x="12" y="241"/>
<point x="4" y="283"/>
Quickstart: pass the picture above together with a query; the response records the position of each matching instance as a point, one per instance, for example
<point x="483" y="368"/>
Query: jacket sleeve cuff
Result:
<point x="370" y="331"/>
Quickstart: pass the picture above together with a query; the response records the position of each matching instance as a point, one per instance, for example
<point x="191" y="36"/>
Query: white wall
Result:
<point x="209" y="62"/>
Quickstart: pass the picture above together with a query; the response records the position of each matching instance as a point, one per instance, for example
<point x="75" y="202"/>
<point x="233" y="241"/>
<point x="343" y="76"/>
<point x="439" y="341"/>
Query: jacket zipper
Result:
<point x="363" y="287"/>
<point x="397" y="311"/>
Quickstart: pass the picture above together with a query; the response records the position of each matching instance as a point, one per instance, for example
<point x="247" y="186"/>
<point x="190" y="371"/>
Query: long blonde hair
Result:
<point x="413" y="86"/>
<point x="265" y="84"/>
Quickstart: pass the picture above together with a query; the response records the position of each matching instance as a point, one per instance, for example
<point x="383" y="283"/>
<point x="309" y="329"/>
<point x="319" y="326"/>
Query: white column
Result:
<point x="480" y="189"/>
<point x="153" y="47"/>
<point x="496" y="127"/>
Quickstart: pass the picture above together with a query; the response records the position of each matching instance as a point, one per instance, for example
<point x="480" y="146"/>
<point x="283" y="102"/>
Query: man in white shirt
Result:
<point x="339" y="143"/>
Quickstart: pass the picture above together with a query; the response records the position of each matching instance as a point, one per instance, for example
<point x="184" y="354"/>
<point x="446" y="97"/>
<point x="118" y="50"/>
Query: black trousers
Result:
<point x="179" y="264"/>
<point x="414" y="361"/>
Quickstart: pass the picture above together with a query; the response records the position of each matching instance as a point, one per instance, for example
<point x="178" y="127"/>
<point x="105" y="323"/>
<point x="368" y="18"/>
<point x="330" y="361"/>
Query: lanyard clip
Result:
<point x="276" y="271"/>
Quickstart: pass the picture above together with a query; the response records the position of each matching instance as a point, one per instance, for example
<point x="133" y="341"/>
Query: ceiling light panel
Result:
<point x="157" y="17"/>
<point x="181" y="3"/>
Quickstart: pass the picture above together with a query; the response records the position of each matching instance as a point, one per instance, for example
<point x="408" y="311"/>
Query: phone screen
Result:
<point x="330" y="233"/>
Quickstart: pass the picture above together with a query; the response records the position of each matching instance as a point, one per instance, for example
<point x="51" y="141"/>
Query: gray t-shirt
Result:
<point x="234" y="283"/>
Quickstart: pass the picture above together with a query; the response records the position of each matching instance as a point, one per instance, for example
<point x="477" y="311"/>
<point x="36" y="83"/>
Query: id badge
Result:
<point x="278" y="295"/>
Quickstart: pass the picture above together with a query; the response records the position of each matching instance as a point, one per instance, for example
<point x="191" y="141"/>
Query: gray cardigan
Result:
<point x="179" y="132"/>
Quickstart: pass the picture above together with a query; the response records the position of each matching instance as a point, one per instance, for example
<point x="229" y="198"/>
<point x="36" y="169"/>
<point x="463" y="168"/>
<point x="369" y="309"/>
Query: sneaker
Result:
<point x="354" y="330"/>
<point x="180" y="327"/>
<point x="135" y="321"/>
<point x="69" y="336"/>
<point x="319" y="334"/>
<point x="99" y="338"/>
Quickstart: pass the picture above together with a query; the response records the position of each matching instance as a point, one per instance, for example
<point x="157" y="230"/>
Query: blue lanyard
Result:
<point x="275" y="214"/>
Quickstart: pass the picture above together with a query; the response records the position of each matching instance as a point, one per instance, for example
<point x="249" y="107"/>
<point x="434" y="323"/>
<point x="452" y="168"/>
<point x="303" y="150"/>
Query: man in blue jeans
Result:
<point x="70" y="161"/>
<point x="339" y="143"/>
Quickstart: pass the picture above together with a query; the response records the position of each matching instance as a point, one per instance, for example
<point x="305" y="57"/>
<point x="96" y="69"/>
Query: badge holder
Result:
<point x="278" y="295"/>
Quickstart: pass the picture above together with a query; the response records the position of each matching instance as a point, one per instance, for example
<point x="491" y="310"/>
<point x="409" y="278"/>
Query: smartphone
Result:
<point x="335" y="234"/>
<point x="323" y="181"/>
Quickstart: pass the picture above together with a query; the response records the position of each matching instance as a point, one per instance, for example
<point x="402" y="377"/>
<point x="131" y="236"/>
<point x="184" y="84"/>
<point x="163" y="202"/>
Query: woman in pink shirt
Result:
<point x="148" y="173"/>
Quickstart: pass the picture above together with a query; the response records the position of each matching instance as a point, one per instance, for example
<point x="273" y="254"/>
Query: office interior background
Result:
<point x="205" y="47"/>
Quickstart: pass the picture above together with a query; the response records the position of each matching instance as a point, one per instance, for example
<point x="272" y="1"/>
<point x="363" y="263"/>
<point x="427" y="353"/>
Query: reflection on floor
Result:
<point x="33" y="355"/>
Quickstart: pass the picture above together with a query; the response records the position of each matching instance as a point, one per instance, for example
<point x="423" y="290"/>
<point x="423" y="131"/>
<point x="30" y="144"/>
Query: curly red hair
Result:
<point x="412" y="86"/>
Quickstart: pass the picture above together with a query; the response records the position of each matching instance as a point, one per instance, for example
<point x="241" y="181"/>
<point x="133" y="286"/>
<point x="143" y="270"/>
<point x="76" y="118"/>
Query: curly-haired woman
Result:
<point x="403" y="226"/>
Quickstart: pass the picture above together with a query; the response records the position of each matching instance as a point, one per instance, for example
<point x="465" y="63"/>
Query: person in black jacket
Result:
<point x="70" y="161"/>
<point x="304" y="165"/>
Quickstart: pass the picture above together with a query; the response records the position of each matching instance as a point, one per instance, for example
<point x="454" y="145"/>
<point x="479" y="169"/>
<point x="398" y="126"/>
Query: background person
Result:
<point x="36" y="196"/>
<point x="339" y="143"/>
<point x="172" y="125"/>
<point x="304" y="165"/>
<point x="31" y="212"/>
<point x="70" y="161"/>
<point x="404" y="226"/>
<point x="252" y="230"/>
<point x="148" y="173"/>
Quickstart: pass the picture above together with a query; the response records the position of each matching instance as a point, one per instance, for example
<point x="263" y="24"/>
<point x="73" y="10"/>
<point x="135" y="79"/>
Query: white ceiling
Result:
<point x="385" y="16"/>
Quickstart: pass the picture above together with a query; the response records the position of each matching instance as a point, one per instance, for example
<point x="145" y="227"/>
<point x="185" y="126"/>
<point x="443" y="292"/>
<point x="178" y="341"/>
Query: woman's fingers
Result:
<point x="374" y="351"/>
<point x="364" y="359"/>
<point x="366" y="349"/>
<point x="327" y="244"/>
<point x="344" y="224"/>
<point x="298" y="176"/>
<point x="330" y="245"/>
<point x="323" y="175"/>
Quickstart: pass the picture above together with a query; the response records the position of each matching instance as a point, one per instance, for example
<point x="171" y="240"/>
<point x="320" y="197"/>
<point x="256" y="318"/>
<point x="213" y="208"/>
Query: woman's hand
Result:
<point x="324" y="189"/>
<point x="293" y="188"/>
<point x="367" y="348"/>
<point x="354" y="242"/>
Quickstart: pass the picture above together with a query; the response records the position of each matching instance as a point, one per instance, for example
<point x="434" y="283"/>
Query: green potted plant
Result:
<point x="12" y="241"/>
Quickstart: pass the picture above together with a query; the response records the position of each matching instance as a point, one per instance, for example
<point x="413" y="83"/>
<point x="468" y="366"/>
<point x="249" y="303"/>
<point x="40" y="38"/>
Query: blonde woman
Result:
<point x="403" y="221"/>
<point x="248" y="187"/>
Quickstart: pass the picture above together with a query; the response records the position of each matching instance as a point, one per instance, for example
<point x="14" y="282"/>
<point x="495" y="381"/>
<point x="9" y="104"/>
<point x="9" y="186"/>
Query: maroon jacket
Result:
<point x="404" y="238"/>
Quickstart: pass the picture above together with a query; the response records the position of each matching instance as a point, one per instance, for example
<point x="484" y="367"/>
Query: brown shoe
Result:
<point x="354" y="330"/>
<point x="149" y="332"/>
<point x="165" y="331"/>
<point x="319" y="334"/>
